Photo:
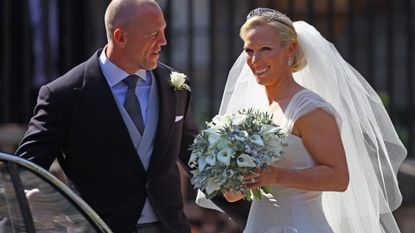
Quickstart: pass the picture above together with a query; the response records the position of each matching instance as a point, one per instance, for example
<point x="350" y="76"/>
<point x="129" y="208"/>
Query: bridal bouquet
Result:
<point x="232" y="146"/>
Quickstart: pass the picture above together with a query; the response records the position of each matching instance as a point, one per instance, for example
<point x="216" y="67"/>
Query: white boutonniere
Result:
<point x="177" y="81"/>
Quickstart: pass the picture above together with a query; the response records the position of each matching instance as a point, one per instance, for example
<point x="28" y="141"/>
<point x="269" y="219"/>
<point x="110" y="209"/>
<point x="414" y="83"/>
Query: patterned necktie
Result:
<point x="131" y="103"/>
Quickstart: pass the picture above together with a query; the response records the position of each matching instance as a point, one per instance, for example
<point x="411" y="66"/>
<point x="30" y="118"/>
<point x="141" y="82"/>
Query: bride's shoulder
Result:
<point x="305" y="101"/>
<point x="307" y="96"/>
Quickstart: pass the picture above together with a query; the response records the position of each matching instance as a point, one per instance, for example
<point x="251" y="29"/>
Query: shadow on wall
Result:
<point x="10" y="135"/>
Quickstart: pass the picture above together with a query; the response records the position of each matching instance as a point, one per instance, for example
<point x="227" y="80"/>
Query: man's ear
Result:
<point x="119" y="37"/>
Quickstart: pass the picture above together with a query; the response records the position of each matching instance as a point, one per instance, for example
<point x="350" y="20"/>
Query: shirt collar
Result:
<point x="113" y="73"/>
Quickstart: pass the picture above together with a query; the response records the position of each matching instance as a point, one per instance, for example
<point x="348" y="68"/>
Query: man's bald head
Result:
<point x="122" y="13"/>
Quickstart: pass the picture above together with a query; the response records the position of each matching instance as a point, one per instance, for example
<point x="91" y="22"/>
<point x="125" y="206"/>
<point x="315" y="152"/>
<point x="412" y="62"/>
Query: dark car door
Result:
<point x="33" y="200"/>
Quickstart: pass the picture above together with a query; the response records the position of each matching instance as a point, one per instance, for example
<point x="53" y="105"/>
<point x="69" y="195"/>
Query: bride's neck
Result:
<point x="282" y="90"/>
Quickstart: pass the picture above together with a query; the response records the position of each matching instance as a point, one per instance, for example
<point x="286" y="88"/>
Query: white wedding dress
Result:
<point x="285" y="209"/>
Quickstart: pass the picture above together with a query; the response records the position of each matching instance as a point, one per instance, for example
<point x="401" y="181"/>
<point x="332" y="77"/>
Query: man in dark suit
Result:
<point x="119" y="142"/>
<point x="128" y="175"/>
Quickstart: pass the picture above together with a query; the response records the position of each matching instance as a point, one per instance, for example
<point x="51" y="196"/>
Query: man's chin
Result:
<point x="150" y="66"/>
<point x="153" y="66"/>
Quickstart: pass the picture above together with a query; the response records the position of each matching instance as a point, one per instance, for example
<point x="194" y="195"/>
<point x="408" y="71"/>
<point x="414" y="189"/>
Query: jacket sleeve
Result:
<point x="43" y="140"/>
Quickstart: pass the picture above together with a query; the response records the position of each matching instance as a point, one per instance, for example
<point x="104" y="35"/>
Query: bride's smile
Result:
<point x="259" y="71"/>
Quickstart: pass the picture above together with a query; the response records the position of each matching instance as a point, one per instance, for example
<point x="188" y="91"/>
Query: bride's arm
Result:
<point x="321" y="137"/>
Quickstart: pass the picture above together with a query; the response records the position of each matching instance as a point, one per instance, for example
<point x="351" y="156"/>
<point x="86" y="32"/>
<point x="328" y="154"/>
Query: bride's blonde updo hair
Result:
<point x="284" y="27"/>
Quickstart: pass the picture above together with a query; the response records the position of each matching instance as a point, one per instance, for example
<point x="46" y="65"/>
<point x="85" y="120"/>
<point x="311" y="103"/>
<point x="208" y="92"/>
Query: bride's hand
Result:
<point x="232" y="197"/>
<point x="262" y="177"/>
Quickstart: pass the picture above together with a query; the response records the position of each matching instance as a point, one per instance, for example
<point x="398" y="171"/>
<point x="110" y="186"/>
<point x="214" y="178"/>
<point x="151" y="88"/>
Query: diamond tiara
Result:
<point x="272" y="15"/>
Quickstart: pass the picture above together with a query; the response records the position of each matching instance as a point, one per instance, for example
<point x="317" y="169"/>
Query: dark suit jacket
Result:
<point x="77" y="121"/>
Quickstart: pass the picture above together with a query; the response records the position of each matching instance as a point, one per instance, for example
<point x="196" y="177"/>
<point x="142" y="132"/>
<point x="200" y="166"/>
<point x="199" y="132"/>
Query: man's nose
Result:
<point x="162" y="40"/>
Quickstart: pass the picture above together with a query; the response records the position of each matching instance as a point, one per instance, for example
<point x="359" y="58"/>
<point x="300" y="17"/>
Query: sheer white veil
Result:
<point x="373" y="149"/>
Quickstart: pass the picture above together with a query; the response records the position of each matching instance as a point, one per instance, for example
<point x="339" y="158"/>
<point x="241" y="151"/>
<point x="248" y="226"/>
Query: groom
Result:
<point x="117" y="127"/>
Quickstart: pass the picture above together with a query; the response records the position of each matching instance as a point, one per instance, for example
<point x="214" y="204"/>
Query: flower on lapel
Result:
<point x="177" y="81"/>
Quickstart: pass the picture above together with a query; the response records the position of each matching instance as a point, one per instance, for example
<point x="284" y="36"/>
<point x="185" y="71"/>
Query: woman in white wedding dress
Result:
<point x="297" y="181"/>
<point x="339" y="171"/>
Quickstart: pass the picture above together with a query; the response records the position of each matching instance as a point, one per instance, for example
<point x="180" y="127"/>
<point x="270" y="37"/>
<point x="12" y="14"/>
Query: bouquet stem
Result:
<point x="255" y="193"/>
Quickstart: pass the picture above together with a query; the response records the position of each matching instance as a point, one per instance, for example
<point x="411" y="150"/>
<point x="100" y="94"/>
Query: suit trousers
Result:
<point x="149" y="228"/>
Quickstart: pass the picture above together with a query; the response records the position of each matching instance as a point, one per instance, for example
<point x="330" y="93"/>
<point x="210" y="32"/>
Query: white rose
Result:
<point x="177" y="81"/>
<point x="218" y="119"/>
<point x="221" y="120"/>
<point x="239" y="119"/>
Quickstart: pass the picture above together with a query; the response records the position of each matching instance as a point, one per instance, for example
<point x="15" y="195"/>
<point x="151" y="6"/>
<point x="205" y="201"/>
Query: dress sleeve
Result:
<point x="305" y="102"/>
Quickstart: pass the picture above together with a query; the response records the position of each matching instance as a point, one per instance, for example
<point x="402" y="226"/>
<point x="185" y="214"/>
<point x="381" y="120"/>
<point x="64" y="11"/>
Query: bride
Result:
<point x="339" y="170"/>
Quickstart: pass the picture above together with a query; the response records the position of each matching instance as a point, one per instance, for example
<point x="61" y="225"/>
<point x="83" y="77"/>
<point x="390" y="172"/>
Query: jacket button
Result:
<point x="147" y="186"/>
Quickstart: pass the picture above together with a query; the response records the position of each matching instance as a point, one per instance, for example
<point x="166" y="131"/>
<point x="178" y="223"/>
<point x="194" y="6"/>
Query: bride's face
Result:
<point x="265" y="56"/>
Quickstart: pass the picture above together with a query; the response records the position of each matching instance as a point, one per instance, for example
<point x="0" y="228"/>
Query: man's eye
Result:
<point x="266" y="49"/>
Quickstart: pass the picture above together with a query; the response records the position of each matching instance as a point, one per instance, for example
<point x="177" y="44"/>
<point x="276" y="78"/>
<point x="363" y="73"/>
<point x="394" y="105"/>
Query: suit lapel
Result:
<point x="146" y="144"/>
<point x="98" y="99"/>
<point x="167" y="113"/>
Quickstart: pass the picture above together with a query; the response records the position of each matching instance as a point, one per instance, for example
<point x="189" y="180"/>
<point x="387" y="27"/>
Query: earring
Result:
<point x="290" y="61"/>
